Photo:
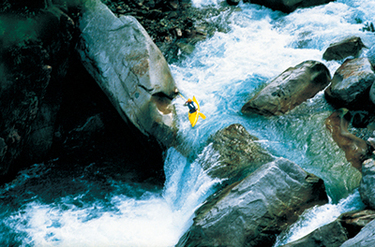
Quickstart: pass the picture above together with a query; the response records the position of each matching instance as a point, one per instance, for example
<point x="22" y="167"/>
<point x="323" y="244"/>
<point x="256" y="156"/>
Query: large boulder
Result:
<point x="294" y="86"/>
<point x="130" y="69"/>
<point x="367" y="186"/>
<point x="238" y="153"/>
<point x="288" y="6"/>
<point x="356" y="149"/>
<point x="351" y="84"/>
<point x="348" y="47"/>
<point x="330" y="235"/>
<point x="365" y="238"/>
<point x="254" y="210"/>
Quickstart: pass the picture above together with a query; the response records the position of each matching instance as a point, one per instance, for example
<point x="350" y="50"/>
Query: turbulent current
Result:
<point x="222" y="72"/>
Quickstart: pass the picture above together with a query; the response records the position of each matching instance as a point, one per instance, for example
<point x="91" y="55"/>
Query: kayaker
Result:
<point x="192" y="108"/>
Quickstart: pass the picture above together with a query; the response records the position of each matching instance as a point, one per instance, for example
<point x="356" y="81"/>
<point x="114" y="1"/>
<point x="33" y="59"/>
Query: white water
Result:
<point x="222" y="72"/>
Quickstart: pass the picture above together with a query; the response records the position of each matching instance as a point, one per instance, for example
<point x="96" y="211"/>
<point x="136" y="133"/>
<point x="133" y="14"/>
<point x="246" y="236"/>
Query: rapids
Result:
<point x="222" y="72"/>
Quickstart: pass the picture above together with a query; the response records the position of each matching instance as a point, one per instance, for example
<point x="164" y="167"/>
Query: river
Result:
<point x="222" y="72"/>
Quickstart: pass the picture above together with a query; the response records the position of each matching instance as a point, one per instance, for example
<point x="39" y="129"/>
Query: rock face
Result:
<point x="354" y="221"/>
<point x="331" y="235"/>
<point x="239" y="153"/>
<point x="365" y="238"/>
<point x="288" y="6"/>
<point x="343" y="49"/>
<point x="367" y="188"/>
<point x="130" y="69"/>
<point x="253" y="211"/>
<point x="356" y="149"/>
<point x="31" y="70"/>
<point x="288" y="90"/>
<point x="351" y="84"/>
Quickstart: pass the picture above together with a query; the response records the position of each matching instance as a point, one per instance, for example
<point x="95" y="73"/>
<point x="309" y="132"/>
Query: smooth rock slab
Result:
<point x="253" y="211"/>
<point x="130" y="69"/>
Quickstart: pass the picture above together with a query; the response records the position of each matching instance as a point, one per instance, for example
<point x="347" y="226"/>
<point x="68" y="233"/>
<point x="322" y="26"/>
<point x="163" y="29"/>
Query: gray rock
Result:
<point x="238" y="153"/>
<point x="367" y="186"/>
<point x="288" y="5"/>
<point x="330" y="235"/>
<point x="354" y="221"/>
<point x="371" y="55"/>
<point x="290" y="89"/>
<point x="365" y="238"/>
<point x="130" y="69"/>
<point x="348" y="47"/>
<point x="253" y="211"/>
<point x="351" y="84"/>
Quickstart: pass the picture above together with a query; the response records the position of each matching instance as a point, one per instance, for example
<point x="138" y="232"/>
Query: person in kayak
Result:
<point x="192" y="108"/>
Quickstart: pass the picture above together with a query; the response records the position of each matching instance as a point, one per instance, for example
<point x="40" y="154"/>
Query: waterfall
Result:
<point x="222" y="72"/>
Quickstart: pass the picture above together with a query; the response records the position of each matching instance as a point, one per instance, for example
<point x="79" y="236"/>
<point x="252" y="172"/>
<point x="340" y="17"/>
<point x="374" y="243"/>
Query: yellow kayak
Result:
<point x="193" y="117"/>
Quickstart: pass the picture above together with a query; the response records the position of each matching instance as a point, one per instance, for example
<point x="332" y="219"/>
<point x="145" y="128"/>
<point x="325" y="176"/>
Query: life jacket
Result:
<point x="192" y="107"/>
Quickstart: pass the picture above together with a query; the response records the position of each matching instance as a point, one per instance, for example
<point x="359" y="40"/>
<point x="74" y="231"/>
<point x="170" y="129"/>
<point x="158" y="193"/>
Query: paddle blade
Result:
<point x="202" y="115"/>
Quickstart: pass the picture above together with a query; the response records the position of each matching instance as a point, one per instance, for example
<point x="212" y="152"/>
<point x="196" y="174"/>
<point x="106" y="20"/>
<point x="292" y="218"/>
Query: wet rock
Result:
<point x="343" y="49"/>
<point x="288" y="6"/>
<point x="351" y="84"/>
<point x="294" y="86"/>
<point x="235" y="153"/>
<point x="330" y="235"/>
<point x="253" y="211"/>
<point x="356" y="149"/>
<point x="130" y="69"/>
<point x="233" y="2"/>
<point x="365" y="238"/>
<point x="371" y="55"/>
<point x="367" y="186"/>
<point x="354" y="221"/>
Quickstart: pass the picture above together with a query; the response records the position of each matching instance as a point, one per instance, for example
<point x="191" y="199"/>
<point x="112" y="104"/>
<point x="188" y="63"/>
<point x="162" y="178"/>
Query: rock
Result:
<point x="372" y="93"/>
<point x="351" y="84"/>
<point x="367" y="186"/>
<point x="253" y="211"/>
<point x="130" y="69"/>
<point x="237" y="152"/>
<point x="288" y="6"/>
<point x="294" y="86"/>
<point x="330" y="235"/>
<point x="354" y="221"/>
<point x="365" y="238"/>
<point x="343" y="49"/>
<point x="30" y="70"/>
<point x="233" y="2"/>
<point x="356" y="149"/>
<point x="371" y="55"/>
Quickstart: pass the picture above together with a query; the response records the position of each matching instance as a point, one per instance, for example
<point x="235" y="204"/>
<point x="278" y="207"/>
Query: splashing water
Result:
<point x="223" y="72"/>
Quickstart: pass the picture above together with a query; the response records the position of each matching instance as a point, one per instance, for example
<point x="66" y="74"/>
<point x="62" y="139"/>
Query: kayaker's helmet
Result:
<point x="189" y="100"/>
